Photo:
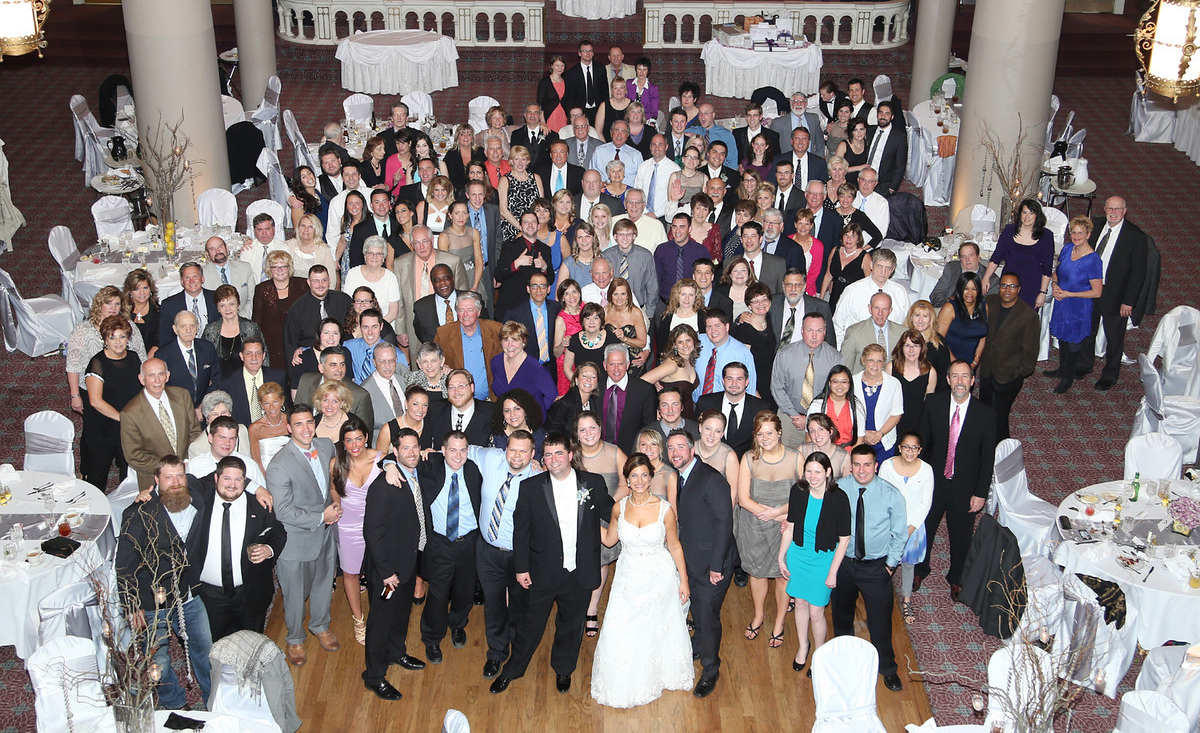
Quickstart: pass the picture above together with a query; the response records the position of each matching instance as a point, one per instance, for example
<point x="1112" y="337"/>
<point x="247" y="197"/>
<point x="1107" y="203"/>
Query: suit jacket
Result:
<point x="363" y="406"/>
<point x="691" y="426"/>
<point x="944" y="290"/>
<point x="718" y="299"/>
<point x="830" y="234"/>
<point x="574" y="94"/>
<point x="1011" y="349"/>
<point x="705" y="522"/>
<point x="893" y="161"/>
<point x="816" y="132"/>
<point x="381" y="407"/>
<point x="589" y="147"/>
<point x="426" y="322"/>
<point x="240" y="277"/>
<point x="305" y="314"/>
<point x="491" y="216"/>
<point x="773" y="268"/>
<point x="392" y="530"/>
<point x="808" y="305"/>
<point x="405" y="270"/>
<point x="538" y="154"/>
<point x="513" y="283"/>
<point x="449" y="337"/>
<point x="367" y="228"/>
<point x="170" y="307"/>
<point x="862" y="334"/>
<point x="299" y="502"/>
<point x="143" y="439"/>
<point x="974" y="454"/>
<point x="431" y="473"/>
<point x="614" y="204"/>
<point x="262" y="528"/>
<point x="725" y="215"/>
<point x="741" y="137"/>
<point x="537" y="534"/>
<point x="523" y="313"/>
<point x="326" y="186"/>
<point x="1126" y="273"/>
<point x="150" y="546"/>
<point x="792" y="253"/>
<point x="573" y="180"/>
<point x="207" y="367"/>
<point x="817" y="171"/>
<point x="235" y="385"/>
<point x="741" y="438"/>
<point x="641" y="409"/>
<point x="828" y="109"/>
<point x="438" y="423"/>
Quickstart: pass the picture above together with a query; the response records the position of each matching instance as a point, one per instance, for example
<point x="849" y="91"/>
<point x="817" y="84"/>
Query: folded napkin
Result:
<point x="64" y="490"/>
<point x="60" y="546"/>
<point x="1179" y="566"/>
<point x="8" y="472"/>
<point x="928" y="725"/>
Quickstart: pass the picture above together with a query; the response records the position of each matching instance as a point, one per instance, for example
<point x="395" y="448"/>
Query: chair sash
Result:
<point x="37" y="444"/>
<point x="1011" y="465"/>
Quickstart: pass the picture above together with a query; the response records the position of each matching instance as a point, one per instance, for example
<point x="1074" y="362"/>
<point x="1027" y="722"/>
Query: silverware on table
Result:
<point x="1148" y="574"/>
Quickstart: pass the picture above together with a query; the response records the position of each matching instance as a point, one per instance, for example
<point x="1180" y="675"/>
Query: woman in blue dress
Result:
<point x="963" y="322"/>
<point x="815" y="538"/>
<point x="1077" y="281"/>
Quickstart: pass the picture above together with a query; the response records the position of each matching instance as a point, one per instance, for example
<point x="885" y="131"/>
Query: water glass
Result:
<point x="9" y="549"/>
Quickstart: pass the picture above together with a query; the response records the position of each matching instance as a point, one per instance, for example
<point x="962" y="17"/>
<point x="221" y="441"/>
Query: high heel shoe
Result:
<point x="799" y="666"/>
<point x="360" y="629"/>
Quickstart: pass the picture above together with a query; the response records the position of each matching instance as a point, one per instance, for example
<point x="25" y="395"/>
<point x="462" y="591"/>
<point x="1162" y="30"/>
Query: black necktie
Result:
<point x="731" y="428"/>
<point x="1103" y="243"/>
<point x="458" y="423"/>
<point x="226" y="553"/>
<point x="860" y="527"/>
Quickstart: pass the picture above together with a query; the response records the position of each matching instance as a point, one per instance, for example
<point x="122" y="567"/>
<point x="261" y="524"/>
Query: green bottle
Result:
<point x="1137" y="486"/>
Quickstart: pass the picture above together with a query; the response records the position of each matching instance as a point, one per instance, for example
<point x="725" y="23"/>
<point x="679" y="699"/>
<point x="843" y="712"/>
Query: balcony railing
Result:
<point x="501" y="23"/>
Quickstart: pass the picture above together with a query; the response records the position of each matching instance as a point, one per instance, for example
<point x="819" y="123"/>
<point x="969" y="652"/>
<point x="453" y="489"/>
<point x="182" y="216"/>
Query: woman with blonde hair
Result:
<point x="922" y="318"/>
<point x="518" y="190"/>
<point x="600" y="217"/>
<point x="562" y="226"/>
<point x="332" y="401"/>
<point x="85" y="340"/>
<point x="273" y="298"/>
<point x="653" y="445"/>
<point x="734" y="280"/>
<point x="434" y="210"/>
<point x="497" y="120"/>
<point x="308" y="247"/>
<point x="764" y="197"/>
<point x="681" y="310"/>
<point x="626" y="321"/>
<point x="269" y="433"/>
<point x="577" y="265"/>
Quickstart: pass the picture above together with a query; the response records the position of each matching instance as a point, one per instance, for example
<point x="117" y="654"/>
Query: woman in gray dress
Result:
<point x="764" y="484"/>
<point x="606" y="460"/>
<point x="462" y="241"/>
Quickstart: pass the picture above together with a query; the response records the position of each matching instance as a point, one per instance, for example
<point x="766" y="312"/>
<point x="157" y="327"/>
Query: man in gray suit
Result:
<point x="581" y="144"/>
<point x="220" y="270"/>
<point x="298" y="476"/>
<point x="794" y="384"/>
<point x="417" y="267"/>
<point x="485" y="219"/>
<point x="768" y="268"/>
<point x="332" y="367"/>
<point x="874" y="330"/>
<point x="968" y="261"/>
<point x="799" y="116"/>
<point x="385" y="387"/>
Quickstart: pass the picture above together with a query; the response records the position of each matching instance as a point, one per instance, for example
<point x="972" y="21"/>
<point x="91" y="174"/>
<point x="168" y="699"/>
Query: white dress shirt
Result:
<point x="466" y="414"/>
<point x="387" y="392"/>
<point x="206" y="463"/>
<point x="211" y="571"/>
<point x="855" y="304"/>
<point x="1109" y="246"/>
<point x="876" y="208"/>
<point x="876" y="144"/>
<point x="162" y="400"/>
<point x="566" y="505"/>
<point x="645" y="173"/>
<point x="337" y="207"/>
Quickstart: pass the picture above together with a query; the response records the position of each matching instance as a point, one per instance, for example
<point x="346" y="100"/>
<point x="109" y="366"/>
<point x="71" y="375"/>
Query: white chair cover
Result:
<point x="250" y="680"/>
<point x="66" y="253"/>
<point x="950" y="87"/>
<point x="1067" y="128"/>
<point x="1029" y="517"/>
<point x="1160" y="665"/>
<point x="217" y="207"/>
<point x="1149" y="712"/>
<point x="90" y="139"/>
<point x="1054" y="105"/>
<point x="1153" y="455"/>
<point x="1086" y="645"/>
<point x="1020" y="679"/>
<point x="844" y="671"/>
<point x="266" y="117"/>
<point x="66" y="687"/>
<point x="1056" y="222"/>
<point x="455" y="722"/>
<point x="11" y="218"/>
<point x="300" y="151"/>
<point x="420" y="105"/>
<point x="1175" y="340"/>
<point x="1044" y="600"/>
<point x="74" y="610"/>
<point x="1150" y="120"/>
<point x="1174" y="671"/>
<point x="121" y="499"/>
<point x="1075" y="148"/>
<point x="983" y="220"/>
<point x="358" y="107"/>
<point x="477" y="112"/>
<point x="1176" y="416"/>
<point x="112" y="215"/>
<point x="232" y="110"/>
<point x="34" y="326"/>
<point x="276" y="210"/>
<point x="919" y="155"/>
<point x="268" y="165"/>
<point x="49" y="441"/>
<point x="883" y="88"/>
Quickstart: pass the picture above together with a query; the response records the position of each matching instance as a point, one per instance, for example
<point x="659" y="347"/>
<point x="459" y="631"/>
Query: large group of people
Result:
<point x="605" y="343"/>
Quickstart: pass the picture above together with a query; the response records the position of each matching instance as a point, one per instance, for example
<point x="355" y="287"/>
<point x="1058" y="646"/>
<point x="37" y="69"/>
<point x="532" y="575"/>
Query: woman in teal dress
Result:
<point x="809" y="556"/>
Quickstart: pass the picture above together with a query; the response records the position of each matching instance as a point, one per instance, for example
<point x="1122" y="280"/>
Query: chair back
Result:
<point x="1020" y="681"/>
<point x="455" y="722"/>
<point x="266" y="117"/>
<point x="477" y="112"/>
<point x="232" y="110"/>
<point x="300" y="152"/>
<point x="34" y="327"/>
<point x="74" y="610"/>
<point x="277" y="185"/>
<point x="1087" y="644"/>
<point x="112" y="215"/>
<point x="358" y="107"/>
<point x="1159" y="666"/>
<point x="1153" y="455"/>
<point x="271" y="95"/>
<point x="277" y="212"/>
<point x="1043" y="600"/>
<point x="1175" y="340"/>
<point x="66" y="687"/>
<point x="1054" y="105"/>
<point x="883" y="88"/>
<point x="844" y="671"/>
<point x="919" y="152"/>
<point x="983" y="219"/>
<point x="251" y="680"/>
<point x="907" y="220"/>
<point x="1075" y="144"/>
<point x="49" y="441"/>
<point x="420" y="105"/>
<point x="121" y="499"/>
<point x="62" y="247"/>
<point x="1056" y="222"/>
<point x="1028" y="516"/>
<point x="1152" y="386"/>
<point x="1143" y="711"/>
<point x="217" y="207"/>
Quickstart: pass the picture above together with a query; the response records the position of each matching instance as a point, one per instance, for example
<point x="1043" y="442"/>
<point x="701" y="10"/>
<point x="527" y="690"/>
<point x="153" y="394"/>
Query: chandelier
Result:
<point x="21" y="26"/>
<point x="1165" y="42"/>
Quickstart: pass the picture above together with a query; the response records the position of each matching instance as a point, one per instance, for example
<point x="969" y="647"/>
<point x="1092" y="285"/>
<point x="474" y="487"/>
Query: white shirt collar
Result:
<point x="183" y="348"/>
<point x="623" y="384"/>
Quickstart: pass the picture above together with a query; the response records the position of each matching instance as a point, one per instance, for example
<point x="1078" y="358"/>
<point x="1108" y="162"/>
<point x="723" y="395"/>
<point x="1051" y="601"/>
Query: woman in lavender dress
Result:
<point x="351" y="472"/>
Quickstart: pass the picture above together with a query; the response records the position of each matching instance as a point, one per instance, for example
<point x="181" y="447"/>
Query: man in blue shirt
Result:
<point x="502" y="472"/>
<point x="362" y="350"/>
<point x="674" y="258"/>
<point x="878" y="531"/>
<point x="538" y="315"/>
<point x="706" y="125"/>
<point x="716" y="350"/>
<point x="618" y="149"/>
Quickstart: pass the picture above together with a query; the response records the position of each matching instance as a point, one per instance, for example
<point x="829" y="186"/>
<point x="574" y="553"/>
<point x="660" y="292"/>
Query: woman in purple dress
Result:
<point x="1078" y="280"/>
<point x="1026" y="248"/>
<point x="514" y="368"/>
<point x="352" y="471"/>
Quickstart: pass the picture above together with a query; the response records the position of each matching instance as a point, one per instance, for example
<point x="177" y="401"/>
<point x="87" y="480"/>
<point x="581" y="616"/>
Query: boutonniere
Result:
<point x="582" y="495"/>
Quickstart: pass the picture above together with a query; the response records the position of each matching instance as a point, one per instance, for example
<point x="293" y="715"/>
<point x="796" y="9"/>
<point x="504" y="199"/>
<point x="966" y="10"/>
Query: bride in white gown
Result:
<point x="644" y="647"/>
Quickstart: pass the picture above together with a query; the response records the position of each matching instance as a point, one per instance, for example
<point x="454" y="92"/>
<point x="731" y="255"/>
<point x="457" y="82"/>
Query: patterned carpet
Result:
<point x="1070" y="440"/>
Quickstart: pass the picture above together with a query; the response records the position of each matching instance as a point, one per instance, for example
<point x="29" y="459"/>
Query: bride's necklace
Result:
<point x="649" y="496"/>
<point x="271" y="424"/>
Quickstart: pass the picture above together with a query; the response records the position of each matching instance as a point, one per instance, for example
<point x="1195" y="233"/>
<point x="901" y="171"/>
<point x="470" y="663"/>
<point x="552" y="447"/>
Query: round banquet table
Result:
<point x="593" y="10"/>
<point x="23" y="586"/>
<point x="1166" y="607"/>
<point x="398" y="62"/>
<point x="737" y="72"/>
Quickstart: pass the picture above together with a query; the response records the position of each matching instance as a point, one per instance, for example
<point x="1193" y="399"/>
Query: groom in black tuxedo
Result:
<point x="705" y="511"/>
<point x="548" y="574"/>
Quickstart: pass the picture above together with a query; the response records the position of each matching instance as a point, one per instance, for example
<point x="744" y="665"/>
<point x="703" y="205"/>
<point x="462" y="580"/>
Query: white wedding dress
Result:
<point x="644" y="647"/>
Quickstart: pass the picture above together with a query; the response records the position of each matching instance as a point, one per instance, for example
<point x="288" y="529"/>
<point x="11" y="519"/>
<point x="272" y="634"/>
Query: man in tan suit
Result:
<point x="159" y="421"/>
<point x="471" y="343"/>
<point x="868" y="331"/>
<point x="413" y="274"/>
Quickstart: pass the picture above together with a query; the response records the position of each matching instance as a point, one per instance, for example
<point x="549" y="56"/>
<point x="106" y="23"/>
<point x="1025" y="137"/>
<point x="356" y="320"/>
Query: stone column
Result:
<point x="1014" y="52"/>
<point x="255" y="24"/>
<point x="173" y="65"/>
<point x="931" y="49"/>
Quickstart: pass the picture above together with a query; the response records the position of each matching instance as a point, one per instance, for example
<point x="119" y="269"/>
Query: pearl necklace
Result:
<point x="649" y="496"/>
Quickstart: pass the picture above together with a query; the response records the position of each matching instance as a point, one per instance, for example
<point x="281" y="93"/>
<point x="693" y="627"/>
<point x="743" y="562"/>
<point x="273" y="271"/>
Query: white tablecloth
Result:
<point x="941" y="170"/>
<point x="214" y="723"/>
<point x="112" y="265"/>
<point x="737" y="72"/>
<point x="1187" y="131"/>
<point x="23" y="585"/>
<point x="398" y="62"/>
<point x="1167" y="609"/>
<point x="594" y="10"/>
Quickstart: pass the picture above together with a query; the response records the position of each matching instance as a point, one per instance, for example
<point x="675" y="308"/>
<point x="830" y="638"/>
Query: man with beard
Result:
<point x="221" y="270"/>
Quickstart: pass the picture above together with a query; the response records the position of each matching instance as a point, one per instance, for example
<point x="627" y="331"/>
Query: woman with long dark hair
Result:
<point x="353" y="469"/>
<point x="963" y="320"/>
<point x="1026" y="249"/>
<point x="306" y="196"/>
<point x="838" y="402"/>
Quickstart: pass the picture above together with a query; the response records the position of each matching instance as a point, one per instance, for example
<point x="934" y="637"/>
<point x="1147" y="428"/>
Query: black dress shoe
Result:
<point x="1081" y="373"/>
<point x="740" y="578"/>
<point x="562" y="682"/>
<point x="1105" y="383"/>
<point x="892" y="682"/>
<point x="458" y="637"/>
<point x="1052" y="373"/>
<point x="1063" y="386"/>
<point x="410" y="663"/>
<point x="799" y="666"/>
<point x="478" y="596"/>
<point x="917" y="580"/>
<point x="384" y="690"/>
<point x="434" y="652"/>
<point x="955" y="589"/>
<point x="491" y="668"/>
<point x="500" y="684"/>
<point x="705" y="686"/>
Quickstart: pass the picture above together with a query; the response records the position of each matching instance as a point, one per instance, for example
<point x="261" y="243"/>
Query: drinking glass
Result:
<point x="49" y="502"/>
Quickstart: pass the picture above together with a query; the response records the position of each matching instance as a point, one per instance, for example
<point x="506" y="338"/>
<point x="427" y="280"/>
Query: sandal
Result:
<point x="906" y="611"/>
<point x="775" y="641"/>
<point x="360" y="629"/>
<point x="791" y="605"/>
<point x="752" y="632"/>
<point x="592" y="626"/>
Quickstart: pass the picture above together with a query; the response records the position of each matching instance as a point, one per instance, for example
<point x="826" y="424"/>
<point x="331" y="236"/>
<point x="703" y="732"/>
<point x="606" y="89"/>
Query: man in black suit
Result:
<point x="793" y="296"/>
<point x="704" y="273"/>
<point x="396" y="529"/>
<point x="194" y="298"/>
<point x="959" y="437"/>
<point x="677" y="121"/>
<point x="586" y="83"/>
<point x="419" y="189"/>
<point x="451" y="486"/>
<point x="1122" y="249"/>
<point x="439" y="307"/>
<point x="551" y="576"/>
<point x="743" y="136"/>
<point x="557" y="172"/>
<point x="235" y="551"/>
<point x="627" y="403"/>
<point x="330" y="180"/>
<point x="1010" y="352"/>
<point x="738" y="407"/>
<point x="399" y="122"/>
<point x="887" y="151"/>
<point x="519" y="259"/>
<point x="191" y="362"/>
<point x="309" y="309"/>
<point x="593" y="194"/>
<point x="380" y="222"/>
<point x="540" y="345"/>
<point x="806" y="166"/>
<point x="830" y="98"/>
<point x="788" y="195"/>
<point x="461" y="411"/>
<point x="706" y="533"/>
<point x="535" y="137"/>
<point x="242" y="385"/>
